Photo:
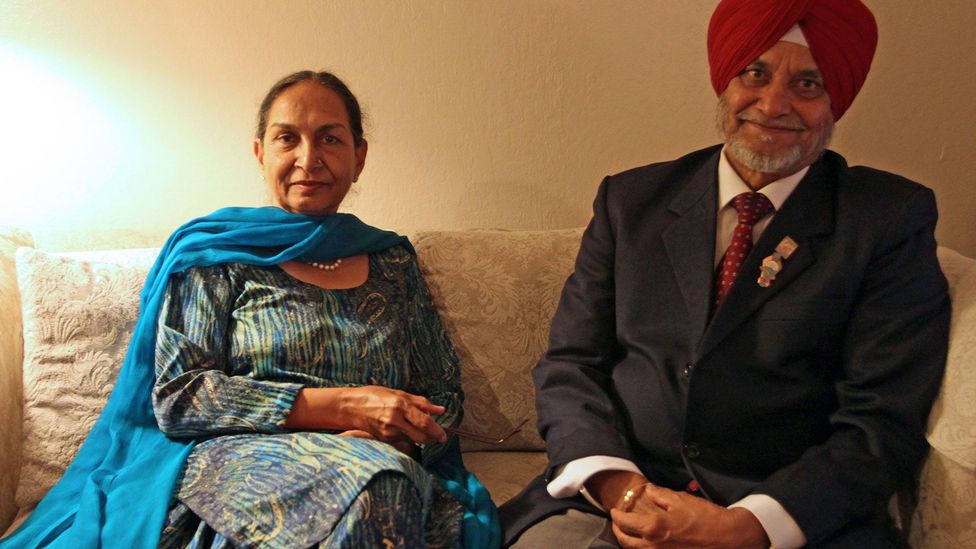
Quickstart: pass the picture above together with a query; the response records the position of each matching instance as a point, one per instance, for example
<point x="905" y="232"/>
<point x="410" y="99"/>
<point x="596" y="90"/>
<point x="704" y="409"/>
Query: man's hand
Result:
<point x="665" y="518"/>
<point x="609" y="487"/>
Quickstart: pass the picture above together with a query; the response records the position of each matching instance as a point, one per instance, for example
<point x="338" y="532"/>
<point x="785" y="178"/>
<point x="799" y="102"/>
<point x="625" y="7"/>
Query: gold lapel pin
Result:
<point x="773" y="264"/>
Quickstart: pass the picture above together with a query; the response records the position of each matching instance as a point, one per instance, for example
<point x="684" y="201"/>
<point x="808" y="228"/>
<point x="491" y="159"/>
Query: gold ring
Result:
<point x="630" y="497"/>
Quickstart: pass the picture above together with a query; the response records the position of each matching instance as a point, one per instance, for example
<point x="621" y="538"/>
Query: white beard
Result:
<point x="764" y="163"/>
<point x="790" y="161"/>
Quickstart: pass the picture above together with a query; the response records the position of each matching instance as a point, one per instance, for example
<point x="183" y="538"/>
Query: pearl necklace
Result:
<point x="326" y="266"/>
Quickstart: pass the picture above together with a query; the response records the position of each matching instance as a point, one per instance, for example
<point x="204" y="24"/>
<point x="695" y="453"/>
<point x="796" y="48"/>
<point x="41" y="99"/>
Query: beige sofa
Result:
<point x="64" y="327"/>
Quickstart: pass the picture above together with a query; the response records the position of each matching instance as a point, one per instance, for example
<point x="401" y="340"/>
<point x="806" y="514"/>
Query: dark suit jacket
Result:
<point x="814" y="391"/>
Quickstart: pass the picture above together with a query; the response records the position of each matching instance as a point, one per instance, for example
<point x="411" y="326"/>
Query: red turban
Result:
<point x="842" y="35"/>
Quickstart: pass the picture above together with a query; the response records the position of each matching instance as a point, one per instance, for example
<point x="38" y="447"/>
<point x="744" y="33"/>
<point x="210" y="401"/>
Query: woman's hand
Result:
<point x="389" y="415"/>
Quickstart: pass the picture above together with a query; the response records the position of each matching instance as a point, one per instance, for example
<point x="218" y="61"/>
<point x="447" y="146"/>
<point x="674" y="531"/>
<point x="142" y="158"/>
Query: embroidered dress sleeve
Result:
<point x="195" y="394"/>
<point x="434" y="370"/>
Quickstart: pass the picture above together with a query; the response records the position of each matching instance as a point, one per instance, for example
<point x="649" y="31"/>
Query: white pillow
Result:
<point x="79" y="310"/>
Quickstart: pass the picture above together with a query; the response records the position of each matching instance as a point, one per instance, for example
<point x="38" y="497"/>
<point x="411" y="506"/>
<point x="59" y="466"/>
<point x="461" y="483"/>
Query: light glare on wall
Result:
<point x="58" y="146"/>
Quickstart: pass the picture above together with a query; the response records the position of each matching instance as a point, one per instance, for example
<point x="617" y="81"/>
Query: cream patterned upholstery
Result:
<point x="946" y="512"/>
<point x="496" y="291"/>
<point x="11" y="358"/>
<point x="78" y="316"/>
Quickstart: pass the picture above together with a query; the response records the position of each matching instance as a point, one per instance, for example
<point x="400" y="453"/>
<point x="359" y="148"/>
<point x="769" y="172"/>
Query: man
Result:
<point x="749" y="346"/>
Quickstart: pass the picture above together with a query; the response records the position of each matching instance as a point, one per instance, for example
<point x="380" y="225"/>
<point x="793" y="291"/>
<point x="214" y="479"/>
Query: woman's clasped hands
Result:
<point x="391" y="415"/>
<point x="396" y="417"/>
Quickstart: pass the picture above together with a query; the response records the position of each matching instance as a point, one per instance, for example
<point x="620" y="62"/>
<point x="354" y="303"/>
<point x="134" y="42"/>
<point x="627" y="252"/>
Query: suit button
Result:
<point x="692" y="451"/>
<point x="686" y="372"/>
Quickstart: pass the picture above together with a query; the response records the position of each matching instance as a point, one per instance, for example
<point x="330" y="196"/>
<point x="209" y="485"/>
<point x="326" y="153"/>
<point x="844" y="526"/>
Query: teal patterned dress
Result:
<point x="235" y="344"/>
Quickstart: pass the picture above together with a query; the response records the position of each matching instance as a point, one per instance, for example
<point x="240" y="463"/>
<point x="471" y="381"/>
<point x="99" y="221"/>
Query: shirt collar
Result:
<point x="731" y="185"/>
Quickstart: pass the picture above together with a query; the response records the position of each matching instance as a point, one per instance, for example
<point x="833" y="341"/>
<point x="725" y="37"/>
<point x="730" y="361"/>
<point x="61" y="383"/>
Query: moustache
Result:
<point x="768" y="122"/>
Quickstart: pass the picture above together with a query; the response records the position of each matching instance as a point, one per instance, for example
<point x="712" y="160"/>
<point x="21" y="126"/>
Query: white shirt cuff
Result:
<point x="571" y="477"/>
<point x="783" y="531"/>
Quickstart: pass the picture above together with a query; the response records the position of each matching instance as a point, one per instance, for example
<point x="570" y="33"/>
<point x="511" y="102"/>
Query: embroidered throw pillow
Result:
<point x="79" y="310"/>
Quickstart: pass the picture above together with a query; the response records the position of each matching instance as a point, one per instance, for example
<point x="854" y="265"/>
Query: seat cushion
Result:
<point x="505" y="473"/>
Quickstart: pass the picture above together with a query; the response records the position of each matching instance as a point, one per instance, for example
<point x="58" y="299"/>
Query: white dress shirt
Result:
<point x="570" y="479"/>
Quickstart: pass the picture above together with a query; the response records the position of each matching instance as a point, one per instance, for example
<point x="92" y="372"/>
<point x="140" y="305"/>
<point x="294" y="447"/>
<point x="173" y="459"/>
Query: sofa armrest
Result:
<point x="946" y="512"/>
<point x="952" y="422"/>
<point x="11" y="386"/>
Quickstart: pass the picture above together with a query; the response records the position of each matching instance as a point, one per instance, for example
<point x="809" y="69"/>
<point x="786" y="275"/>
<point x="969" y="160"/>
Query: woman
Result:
<point x="299" y="349"/>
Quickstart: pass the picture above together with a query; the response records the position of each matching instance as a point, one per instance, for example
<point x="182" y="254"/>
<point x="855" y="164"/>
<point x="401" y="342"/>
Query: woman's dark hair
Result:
<point x="323" y="78"/>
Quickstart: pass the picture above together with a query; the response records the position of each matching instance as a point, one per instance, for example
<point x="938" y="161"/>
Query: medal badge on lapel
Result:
<point x="773" y="264"/>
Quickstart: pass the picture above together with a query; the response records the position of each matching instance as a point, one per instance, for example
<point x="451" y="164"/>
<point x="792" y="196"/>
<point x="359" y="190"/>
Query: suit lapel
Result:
<point x="690" y="242"/>
<point x="806" y="215"/>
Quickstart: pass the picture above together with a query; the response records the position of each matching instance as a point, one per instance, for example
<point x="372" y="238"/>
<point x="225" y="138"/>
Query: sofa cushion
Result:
<point x="78" y="314"/>
<point x="505" y="473"/>
<point x="496" y="292"/>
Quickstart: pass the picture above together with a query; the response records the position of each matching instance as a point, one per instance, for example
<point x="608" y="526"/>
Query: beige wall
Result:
<point x="482" y="114"/>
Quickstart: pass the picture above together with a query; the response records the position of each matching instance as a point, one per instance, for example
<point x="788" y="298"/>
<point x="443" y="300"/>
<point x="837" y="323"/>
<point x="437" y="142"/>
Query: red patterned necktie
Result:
<point x="751" y="207"/>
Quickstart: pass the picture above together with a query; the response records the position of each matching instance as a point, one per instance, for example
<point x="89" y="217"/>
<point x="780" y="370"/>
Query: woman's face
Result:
<point x="307" y="153"/>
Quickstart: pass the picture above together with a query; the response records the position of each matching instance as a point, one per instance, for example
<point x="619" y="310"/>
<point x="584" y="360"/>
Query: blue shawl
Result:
<point x="118" y="489"/>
